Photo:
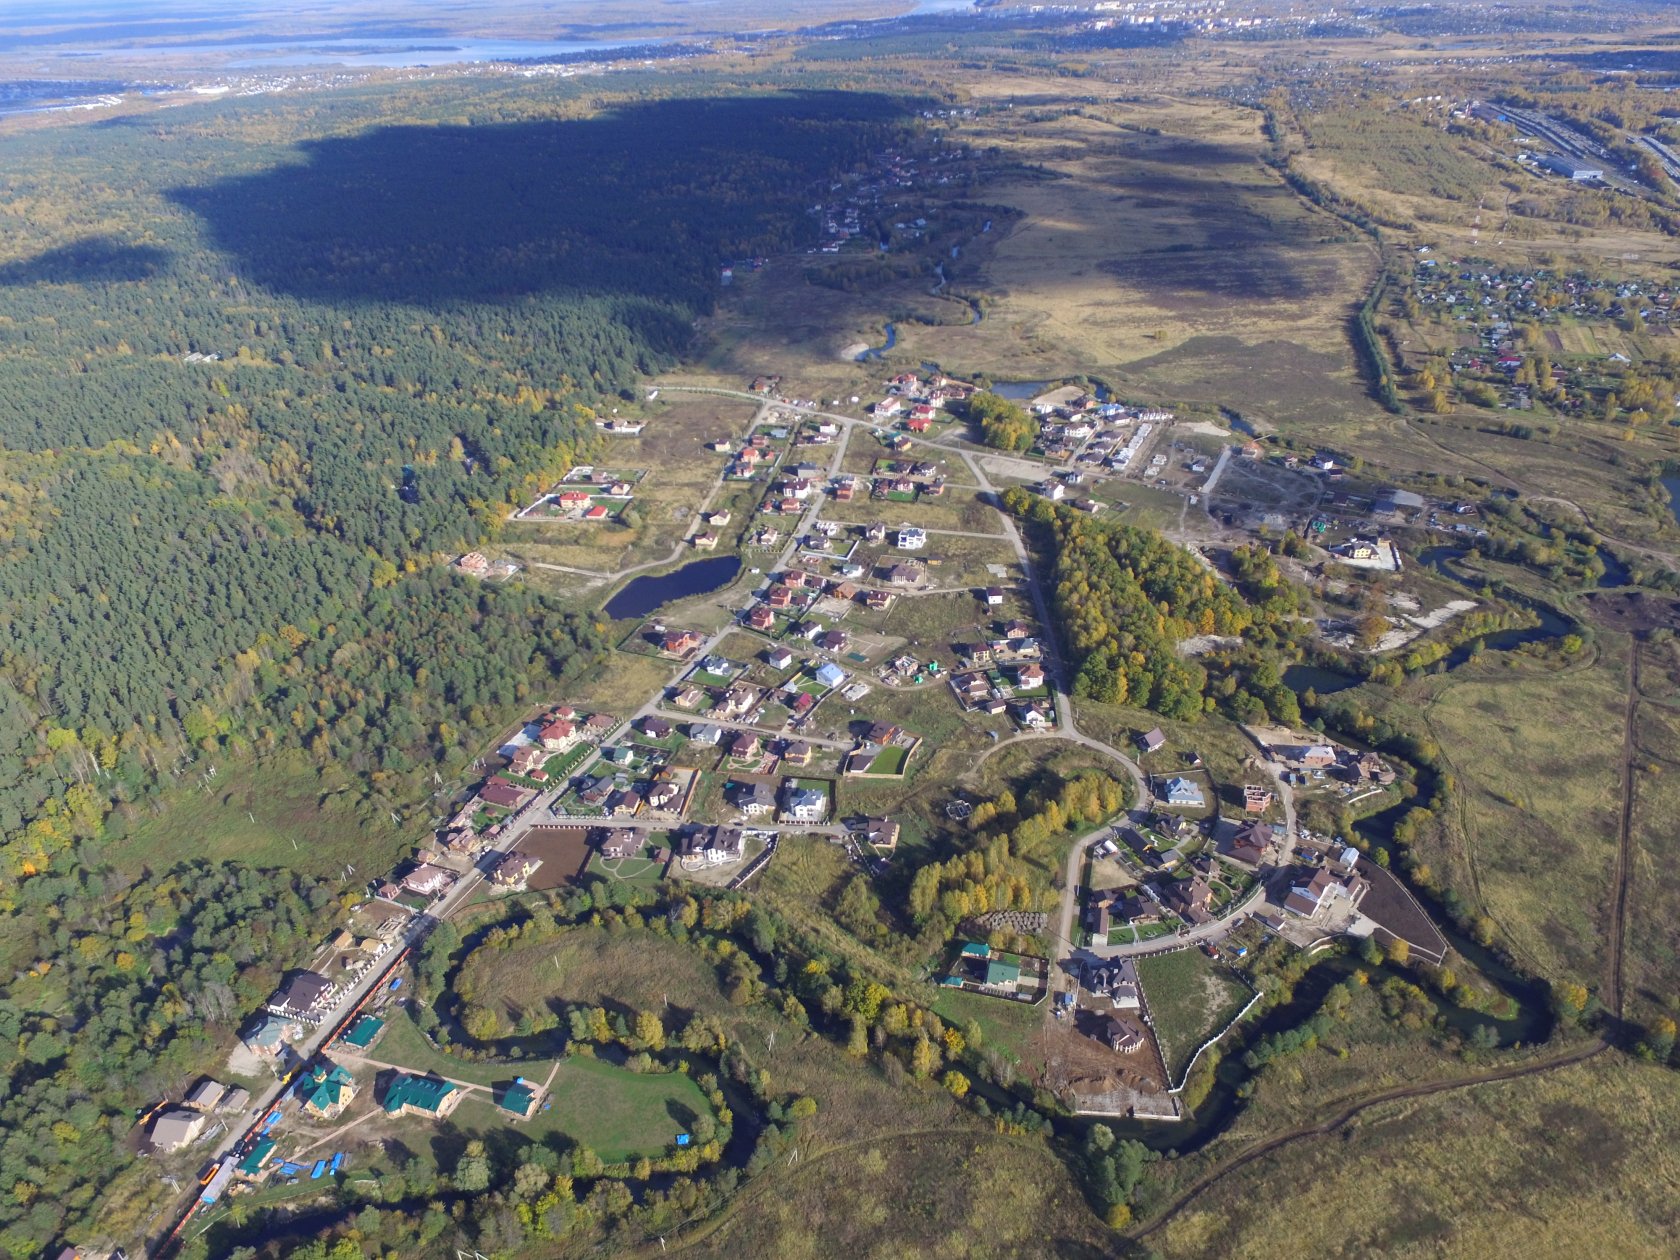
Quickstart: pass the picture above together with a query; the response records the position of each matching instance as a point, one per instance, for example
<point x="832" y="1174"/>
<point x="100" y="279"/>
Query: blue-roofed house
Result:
<point x="830" y="675"/>
<point x="1185" y="792"/>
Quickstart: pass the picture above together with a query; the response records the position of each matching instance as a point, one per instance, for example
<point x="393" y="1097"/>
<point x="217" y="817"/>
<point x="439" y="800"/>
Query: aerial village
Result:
<point x="876" y="620"/>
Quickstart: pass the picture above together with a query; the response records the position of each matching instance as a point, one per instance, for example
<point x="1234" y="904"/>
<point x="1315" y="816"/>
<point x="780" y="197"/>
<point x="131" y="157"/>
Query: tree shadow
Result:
<point x="646" y="200"/>
<point x="91" y="260"/>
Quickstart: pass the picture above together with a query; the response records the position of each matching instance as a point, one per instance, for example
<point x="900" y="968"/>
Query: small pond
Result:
<point x="1325" y="682"/>
<point x="644" y="594"/>
<point x="1671" y="483"/>
<point x="1022" y="391"/>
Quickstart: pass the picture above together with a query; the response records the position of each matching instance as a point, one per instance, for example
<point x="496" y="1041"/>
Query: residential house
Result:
<point x="829" y="674"/>
<point x="558" y="735"/>
<point x="1153" y="740"/>
<point x="755" y="800"/>
<point x="1035" y="715"/>
<point x="762" y="617"/>
<point x="619" y="842"/>
<point x="679" y="642"/>
<point x="1185" y="793"/>
<point x="305" y="998"/>
<point x="779" y="658"/>
<point x="664" y="795"/>
<point x="656" y="728"/>
<point x="528" y="760"/>
<point x="1251" y="844"/>
<point x="474" y="564"/>
<point x="1315" y="756"/>
<point x="1030" y="675"/>
<point x="844" y="590"/>
<point x="595" y="790"/>
<point x="833" y="640"/>
<point x="1014" y="631"/>
<point x="714" y="846"/>
<point x="720" y="518"/>
<point x="705" y="735"/>
<point x="1118" y="1035"/>
<point x="514" y="872"/>
<point x="1256" y="799"/>
<point x="427" y="1096"/>
<point x="707" y="541"/>
<point x="268" y="1035"/>
<point x="625" y="803"/>
<point x="860" y="759"/>
<point x="426" y="880"/>
<point x="803" y="804"/>
<point x="779" y="596"/>
<point x="993" y="596"/>
<point x="797" y="753"/>
<point x="520" y="1098"/>
<point x="745" y="745"/>
<point x="910" y="538"/>
<point x="1324" y="891"/>
<point x="907" y="574"/>
<point x="878" y="600"/>
<point x="881" y="833"/>
<point x="326" y="1090"/>
<point x="599" y="724"/>
<point x="206" y="1096"/>
<point x="176" y="1128"/>
<point x="1192" y="898"/>
<point x="688" y="697"/>
<point x="504" y="794"/>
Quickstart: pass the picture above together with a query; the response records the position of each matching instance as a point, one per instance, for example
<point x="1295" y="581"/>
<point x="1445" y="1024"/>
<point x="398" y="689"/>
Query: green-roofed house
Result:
<point x="1002" y="975"/>
<point x="326" y="1090"/>
<point x="254" y="1167"/>
<point x="973" y="949"/>
<point x="364" y="1032"/>
<point x="520" y="1098"/>
<point x="422" y="1096"/>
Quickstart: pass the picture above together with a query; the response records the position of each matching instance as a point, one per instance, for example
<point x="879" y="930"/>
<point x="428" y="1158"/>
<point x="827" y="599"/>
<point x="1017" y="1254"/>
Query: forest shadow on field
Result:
<point x="646" y="199"/>
<point x="92" y="260"/>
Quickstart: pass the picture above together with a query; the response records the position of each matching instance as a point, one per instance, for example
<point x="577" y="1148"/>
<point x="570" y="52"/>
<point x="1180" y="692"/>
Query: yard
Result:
<point x="617" y="1113"/>
<point x="1190" y="998"/>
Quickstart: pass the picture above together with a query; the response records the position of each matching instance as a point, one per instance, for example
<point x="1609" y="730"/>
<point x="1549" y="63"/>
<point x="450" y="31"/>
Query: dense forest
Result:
<point x="1125" y="598"/>
<point x="115" y="997"/>
<point x="264" y="366"/>
<point x="410" y="326"/>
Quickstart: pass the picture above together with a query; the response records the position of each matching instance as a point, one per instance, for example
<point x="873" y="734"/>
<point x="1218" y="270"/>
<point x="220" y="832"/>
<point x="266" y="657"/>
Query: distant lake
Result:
<point x="644" y="594"/>
<point x="1671" y="483"/>
<point x="360" y="50"/>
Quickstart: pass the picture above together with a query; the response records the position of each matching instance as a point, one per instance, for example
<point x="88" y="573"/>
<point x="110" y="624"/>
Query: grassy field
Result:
<point x="975" y="1195"/>
<point x="281" y="812"/>
<point x="589" y="965"/>
<point x="1009" y="1026"/>
<point x="404" y="1045"/>
<point x="1480" y="1172"/>
<point x="1538" y="761"/>
<point x="613" y="1111"/>
<point x="1190" y="997"/>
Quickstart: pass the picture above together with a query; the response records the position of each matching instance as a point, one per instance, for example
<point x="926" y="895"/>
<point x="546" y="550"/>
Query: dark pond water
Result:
<point x="1671" y="483"/>
<point x="644" y="594"/>
<point x="1325" y="682"/>
<point x="1022" y="391"/>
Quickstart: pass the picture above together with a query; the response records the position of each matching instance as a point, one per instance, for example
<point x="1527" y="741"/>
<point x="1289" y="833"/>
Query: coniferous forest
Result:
<point x="264" y="367"/>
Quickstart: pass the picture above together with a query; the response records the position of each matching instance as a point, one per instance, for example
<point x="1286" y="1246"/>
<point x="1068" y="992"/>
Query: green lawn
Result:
<point x="404" y="1045"/>
<point x="1191" y="997"/>
<point x="617" y="1113"/>
<point x="1007" y="1026"/>
<point x="890" y="760"/>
